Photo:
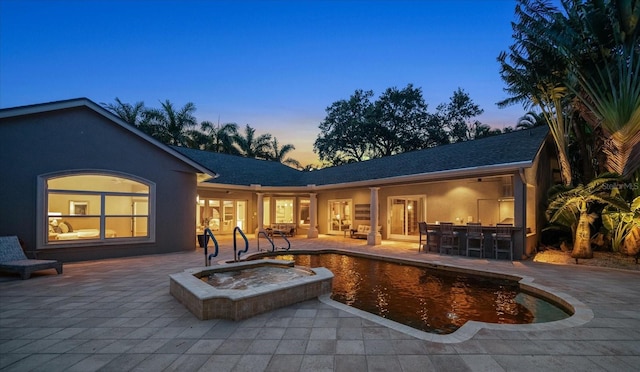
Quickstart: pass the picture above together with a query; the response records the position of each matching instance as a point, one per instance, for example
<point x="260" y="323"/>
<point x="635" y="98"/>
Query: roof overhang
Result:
<point x="483" y="171"/>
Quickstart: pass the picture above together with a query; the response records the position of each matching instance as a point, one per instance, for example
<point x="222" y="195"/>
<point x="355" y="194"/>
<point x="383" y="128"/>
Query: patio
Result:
<point x="118" y="315"/>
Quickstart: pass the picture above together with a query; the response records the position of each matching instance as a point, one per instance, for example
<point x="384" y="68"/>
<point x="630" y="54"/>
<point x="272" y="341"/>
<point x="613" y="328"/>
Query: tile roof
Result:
<point x="508" y="148"/>
<point x="238" y="170"/>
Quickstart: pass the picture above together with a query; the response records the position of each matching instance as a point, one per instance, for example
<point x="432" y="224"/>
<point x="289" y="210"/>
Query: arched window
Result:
<point x="85" y="207"/>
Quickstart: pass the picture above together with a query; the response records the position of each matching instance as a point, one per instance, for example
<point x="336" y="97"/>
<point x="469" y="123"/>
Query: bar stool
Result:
<point x="429" y="237"/>
<point x="433" y="241"/>
<point x="475" y="239"/>
<point x="448" y="238"/>
<point x="503" y="240"/>
<point x="422" y="228"/>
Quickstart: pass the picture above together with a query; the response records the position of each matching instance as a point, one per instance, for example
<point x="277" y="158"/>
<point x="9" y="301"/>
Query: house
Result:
<point x="146" y="197"/>
<point x="491" y="180"/>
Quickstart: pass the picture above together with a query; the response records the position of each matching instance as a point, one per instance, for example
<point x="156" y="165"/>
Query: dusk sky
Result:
<point x="275" y="65"/>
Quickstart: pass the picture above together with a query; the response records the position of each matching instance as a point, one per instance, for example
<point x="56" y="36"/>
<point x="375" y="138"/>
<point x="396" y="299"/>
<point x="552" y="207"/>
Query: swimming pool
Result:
<point x="430" y="299"/>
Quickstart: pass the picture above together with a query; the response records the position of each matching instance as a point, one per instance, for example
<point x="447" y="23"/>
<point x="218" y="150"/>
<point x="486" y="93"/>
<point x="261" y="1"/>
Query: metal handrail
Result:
<point x="246" y="244"/>
<point x="273" y="246"/>
<point x="207" y="258"/>
<point x="285" y="238"/>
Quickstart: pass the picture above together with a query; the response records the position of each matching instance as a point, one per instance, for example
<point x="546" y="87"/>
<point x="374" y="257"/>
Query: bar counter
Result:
<point x="461" y="230"/>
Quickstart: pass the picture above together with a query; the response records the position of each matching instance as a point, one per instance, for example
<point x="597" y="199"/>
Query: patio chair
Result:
<point x="475" y="239"/>
<point x="13" y="259"/>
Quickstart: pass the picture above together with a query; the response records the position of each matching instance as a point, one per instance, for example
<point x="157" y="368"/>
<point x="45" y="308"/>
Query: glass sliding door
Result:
<point x="221" y="216"/>
<point x="284" y="211"/>
<point x="404" y="214"/>
<point x="241" y="208"/>
<point x="339" y="216"/>
<point x="228" y="216"/>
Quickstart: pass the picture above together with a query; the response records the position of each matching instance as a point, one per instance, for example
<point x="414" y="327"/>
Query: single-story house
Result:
<point x="85" y="185"/>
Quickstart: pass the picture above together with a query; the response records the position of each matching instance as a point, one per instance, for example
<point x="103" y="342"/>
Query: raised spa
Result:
<point x="241" y="290"/>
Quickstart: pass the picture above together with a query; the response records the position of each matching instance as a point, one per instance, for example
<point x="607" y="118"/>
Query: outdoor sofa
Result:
<point x="362" y="231"/>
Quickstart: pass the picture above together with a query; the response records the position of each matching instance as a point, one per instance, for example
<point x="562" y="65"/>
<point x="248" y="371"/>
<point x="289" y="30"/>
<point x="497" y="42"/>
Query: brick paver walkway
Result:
<point x="118" y="315"/>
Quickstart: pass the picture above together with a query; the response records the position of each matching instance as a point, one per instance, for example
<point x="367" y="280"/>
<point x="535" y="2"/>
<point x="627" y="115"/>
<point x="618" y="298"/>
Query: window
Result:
<point x="97" y="207"/>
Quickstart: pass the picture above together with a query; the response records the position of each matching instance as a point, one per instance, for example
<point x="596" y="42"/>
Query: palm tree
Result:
<point x="171" y="126"/>
<point x="535" y="74"/>
<point x="251" y="146"/>
<point x="624" y="227"/>
<point x="574" y="208"/>
<point x="220" y="138"/>
<point x="131" y="114"/>
<point x="589" y="59"/>
<point x="600" y="41"/>
<point x="530" y="120"/>
<point x="279" y="154"/>
<point x="478" y="130"/>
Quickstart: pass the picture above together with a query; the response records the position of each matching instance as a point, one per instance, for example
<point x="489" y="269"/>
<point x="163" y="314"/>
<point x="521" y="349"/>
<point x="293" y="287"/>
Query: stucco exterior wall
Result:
<point x="81" y="139"/>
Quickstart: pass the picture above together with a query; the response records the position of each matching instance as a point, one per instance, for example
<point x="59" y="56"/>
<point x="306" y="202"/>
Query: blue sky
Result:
<point x="276" y="65"/>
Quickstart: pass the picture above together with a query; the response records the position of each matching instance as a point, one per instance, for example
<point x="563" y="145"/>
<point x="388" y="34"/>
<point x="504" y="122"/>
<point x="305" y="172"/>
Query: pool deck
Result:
<point x="118" y="315"/>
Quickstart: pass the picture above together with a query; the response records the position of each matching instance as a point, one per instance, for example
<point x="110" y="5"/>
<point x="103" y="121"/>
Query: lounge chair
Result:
<point x="13" y="259"/>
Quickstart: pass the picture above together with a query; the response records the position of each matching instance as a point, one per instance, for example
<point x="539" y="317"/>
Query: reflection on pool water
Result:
<point x="431" y="300"/>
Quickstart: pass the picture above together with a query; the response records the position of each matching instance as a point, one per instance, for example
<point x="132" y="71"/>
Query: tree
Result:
<point x="252" y="146"/>
<point x="530" y="120"/>
<point x="171" y="126"/>
<point x="624" y="226"/>
<point x="131" y="114"/>
<point x="535" y="73"/>
<point x="600" y="39"/>
<point x="456" y="115"/>
<point x="585" y="59"/>
<point x="578" y="207"/>
<point x="279" y="154"/>
<point x="400" y="120"/>
<point x="345" y="133"/>
<point x="357" y="129"/>
<point x="220" y="138"/>
<point x="479" y="130"/>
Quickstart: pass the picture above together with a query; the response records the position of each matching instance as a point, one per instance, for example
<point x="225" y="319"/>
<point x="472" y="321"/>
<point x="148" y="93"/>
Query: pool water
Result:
<point x="431" y="300"/>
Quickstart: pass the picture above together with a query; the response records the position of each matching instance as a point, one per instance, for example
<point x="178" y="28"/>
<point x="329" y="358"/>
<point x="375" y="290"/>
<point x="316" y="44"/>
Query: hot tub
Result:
<point x="243" y="289"/>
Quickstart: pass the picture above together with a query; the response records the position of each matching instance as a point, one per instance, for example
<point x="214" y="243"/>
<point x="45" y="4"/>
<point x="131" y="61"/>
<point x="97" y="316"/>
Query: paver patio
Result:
<point x="118" y="315"/>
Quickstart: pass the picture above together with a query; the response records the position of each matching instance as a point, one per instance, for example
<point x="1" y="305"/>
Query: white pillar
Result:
<point x="313" y="216"/>
<point x="374" y="237"/>
<point x="520" y="217"/>
<point x="260" y="212"/>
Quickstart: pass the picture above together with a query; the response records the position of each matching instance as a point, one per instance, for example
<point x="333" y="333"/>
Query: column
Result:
<point x="520" y="217"/>
<point x="260" y="209"/>
<point x="313" y="216"/>
<point x="374" y="237"/>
